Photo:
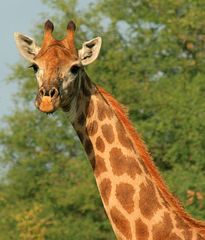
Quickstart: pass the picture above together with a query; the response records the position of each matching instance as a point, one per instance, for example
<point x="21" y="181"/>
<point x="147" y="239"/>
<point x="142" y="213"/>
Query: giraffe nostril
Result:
<point x="42" y="92"/>
<point x="53" y="92"/>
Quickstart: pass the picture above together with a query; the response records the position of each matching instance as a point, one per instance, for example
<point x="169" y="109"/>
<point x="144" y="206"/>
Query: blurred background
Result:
<point x="152" y="60"/>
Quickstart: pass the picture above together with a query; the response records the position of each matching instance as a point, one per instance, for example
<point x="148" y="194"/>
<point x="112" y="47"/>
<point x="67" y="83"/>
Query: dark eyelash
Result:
<point x="35" y="67"/>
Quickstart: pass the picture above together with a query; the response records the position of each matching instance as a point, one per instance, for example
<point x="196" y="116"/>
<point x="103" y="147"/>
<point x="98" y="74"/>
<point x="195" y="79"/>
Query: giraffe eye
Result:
<point x="74" y="69"/>
<point x="35" y="67"/>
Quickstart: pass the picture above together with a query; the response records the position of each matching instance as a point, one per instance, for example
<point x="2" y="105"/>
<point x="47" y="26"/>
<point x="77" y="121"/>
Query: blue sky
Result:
<point x="19" y="16"/>
<point x="15" y="16"/>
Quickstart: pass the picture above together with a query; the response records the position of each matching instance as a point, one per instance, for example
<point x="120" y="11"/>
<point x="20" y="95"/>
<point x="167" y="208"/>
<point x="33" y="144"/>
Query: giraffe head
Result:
<point x="57" y="65"/>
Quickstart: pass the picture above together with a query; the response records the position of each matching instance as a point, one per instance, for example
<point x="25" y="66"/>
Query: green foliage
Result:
<point x="48" y="170"/>
<point x="31" y="225"/>
<point x="152" y="60"/>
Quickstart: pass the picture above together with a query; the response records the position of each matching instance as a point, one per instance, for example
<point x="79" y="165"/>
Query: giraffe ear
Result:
<point x="90" y="50"/>
<point x="26" y="46"/>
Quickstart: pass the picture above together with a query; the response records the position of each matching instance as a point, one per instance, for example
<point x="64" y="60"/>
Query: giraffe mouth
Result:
<point x="47" y="104"/>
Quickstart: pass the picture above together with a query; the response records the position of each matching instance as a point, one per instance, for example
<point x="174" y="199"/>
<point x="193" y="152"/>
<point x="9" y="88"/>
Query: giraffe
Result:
<point x="136" y="199"/>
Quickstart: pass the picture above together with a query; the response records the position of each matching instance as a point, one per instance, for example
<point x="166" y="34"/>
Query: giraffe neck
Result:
<point x="135" y="205"/>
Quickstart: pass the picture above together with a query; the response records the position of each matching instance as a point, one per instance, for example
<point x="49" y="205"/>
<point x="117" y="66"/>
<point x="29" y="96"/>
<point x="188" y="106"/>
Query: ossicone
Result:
<point x="71" y="26"/>
<point x="69" y="39"/>
<point x="49" y="26"/>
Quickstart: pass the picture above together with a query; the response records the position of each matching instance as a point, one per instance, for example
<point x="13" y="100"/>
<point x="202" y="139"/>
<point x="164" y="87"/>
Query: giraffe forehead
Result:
<point x="56" y="56"/>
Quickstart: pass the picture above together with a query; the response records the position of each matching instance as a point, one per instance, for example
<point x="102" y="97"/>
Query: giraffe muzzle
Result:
<point x="48" y="100"/>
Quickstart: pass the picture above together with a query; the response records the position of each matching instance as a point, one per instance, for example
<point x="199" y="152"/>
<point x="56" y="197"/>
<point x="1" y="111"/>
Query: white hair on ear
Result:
<point x="26" y="46"/>
<point x="90" y="51"/>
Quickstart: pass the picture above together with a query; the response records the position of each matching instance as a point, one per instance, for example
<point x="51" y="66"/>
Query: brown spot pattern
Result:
<point x="148" y="202"/>
<point x="133" y="167"/>
<point x="163" y="200"/>
<point x="81" y="119"/>
<point x="125" y="194"/>
<point x="101" y="111"/>
<point x="100" y="144"/>
<point x="162" y="230"/>
<point x="108" y="133"/>
<point x="143" y="165"/>
<point x="180" y="223"/>
<point x="105" y="190"/>
<point x="141" y="230"/>
<point x="85" y="89"/>
<point x="121" y="223"/>
<point x="90" y="109"/>
<point x="109" y="113"/>
<point x="92" y="128"/>
<point x="121" y="164"/>
<point x="92" y="162"/>
<point x="104" y="110"/>
<point x="88" y="146"/>
<point x="187" y="235"/>
<point x="99" y="166"/>
<point x="173" y="236"/>
<point x="199" y="237"/>
<point x="122" y="136"/>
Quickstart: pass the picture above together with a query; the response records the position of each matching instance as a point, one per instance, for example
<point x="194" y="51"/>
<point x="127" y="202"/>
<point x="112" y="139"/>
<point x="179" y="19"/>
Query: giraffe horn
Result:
<point x="48" y="29"/>
<point x="71" y="27"/>
<point x="48" y="26"/>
